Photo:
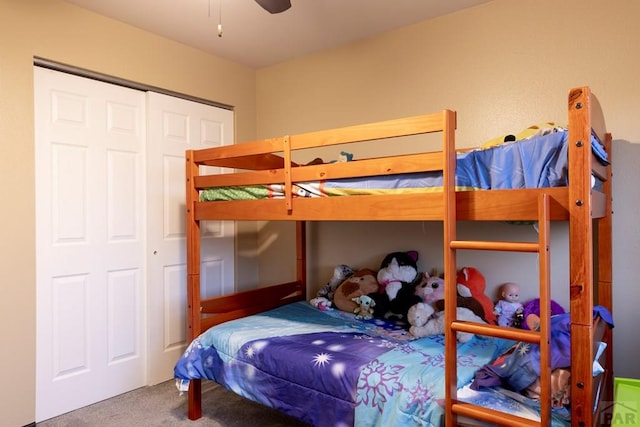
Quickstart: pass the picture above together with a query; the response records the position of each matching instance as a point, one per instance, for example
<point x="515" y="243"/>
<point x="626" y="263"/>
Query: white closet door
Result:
<point x="90" y="241"/>
<point x="175" y="125"/>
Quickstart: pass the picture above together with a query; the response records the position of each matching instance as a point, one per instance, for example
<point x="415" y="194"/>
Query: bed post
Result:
<point x="450" y="268"/>
<point x="581" y="256"/>
<point x="301" y="256"/>
<point x="193" y="277"/>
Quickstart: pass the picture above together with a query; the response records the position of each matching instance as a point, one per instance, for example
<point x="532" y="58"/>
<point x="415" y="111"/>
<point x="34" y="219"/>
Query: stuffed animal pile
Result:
<point x="399" y="291"/>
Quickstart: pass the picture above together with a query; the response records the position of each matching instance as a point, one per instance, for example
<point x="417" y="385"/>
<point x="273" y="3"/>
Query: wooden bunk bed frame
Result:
<point x="587" y="210"/>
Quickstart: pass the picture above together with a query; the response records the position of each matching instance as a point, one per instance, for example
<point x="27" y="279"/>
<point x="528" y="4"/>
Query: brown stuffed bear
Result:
<point x="362" y="282"/>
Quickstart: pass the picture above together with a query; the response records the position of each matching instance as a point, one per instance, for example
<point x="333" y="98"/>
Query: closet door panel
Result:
<point x="174" y="126"/>
<point x="90" y="241"/>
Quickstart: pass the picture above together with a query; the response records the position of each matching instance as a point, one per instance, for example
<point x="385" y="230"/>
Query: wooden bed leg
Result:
<point x="195" y="399"/>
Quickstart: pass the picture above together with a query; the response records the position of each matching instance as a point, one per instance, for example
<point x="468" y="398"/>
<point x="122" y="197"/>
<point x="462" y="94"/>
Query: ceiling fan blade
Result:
<point x="274" y="6"/>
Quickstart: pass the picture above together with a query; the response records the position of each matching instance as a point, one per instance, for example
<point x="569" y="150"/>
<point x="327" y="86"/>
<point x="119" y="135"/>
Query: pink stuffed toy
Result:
<point x="430" y="289"/>
<point x="471" y="283"/>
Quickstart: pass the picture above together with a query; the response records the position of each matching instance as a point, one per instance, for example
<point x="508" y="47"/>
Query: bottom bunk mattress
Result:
<point x="327" y="368"/>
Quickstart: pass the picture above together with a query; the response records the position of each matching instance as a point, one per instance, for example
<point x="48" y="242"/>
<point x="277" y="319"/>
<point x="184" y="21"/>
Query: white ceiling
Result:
<point x="256" y="38"/>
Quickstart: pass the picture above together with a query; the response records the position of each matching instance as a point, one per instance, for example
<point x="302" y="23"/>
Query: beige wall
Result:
<point x="60" y="32"/>
<point x="503" y="66"/>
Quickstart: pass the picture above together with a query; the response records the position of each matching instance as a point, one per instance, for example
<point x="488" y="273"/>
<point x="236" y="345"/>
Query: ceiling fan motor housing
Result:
<point x="274" y="6"/>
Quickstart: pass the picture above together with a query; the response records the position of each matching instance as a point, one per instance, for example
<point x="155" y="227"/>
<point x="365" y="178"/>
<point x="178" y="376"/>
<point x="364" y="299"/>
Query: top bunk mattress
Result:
<point x="536" y="162"/>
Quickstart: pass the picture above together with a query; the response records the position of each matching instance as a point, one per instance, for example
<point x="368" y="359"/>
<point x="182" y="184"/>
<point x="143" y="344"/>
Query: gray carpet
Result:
<point x="160" y="405"/>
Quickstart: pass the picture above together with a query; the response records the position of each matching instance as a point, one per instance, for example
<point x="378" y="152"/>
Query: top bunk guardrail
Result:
<point x="268" y="164"/>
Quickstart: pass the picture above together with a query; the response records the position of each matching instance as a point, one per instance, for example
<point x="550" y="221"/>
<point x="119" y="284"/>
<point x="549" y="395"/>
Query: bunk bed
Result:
<point x="268" y="164"/>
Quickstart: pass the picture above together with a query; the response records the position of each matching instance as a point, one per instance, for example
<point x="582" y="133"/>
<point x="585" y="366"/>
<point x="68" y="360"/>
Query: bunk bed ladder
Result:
<point x="454" y="407"/>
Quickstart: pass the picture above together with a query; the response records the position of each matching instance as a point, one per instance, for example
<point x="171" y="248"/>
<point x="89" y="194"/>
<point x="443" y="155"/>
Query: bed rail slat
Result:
<point x="216" y="319"/>
<point x="421" y="162"/>
<point x="494" y="205"/>
<point x="248" y="155"/>
<point x="269" y="176"/>
<point x="498" y="417"/>
<point x="255" y="297"/>
<point x="415" y="125"/>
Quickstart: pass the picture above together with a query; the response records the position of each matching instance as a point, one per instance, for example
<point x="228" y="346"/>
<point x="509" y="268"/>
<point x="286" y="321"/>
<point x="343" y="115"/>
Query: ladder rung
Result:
<point x="490" y="415"/>
<point x="496" y="246"/>
<point x="496" y="331"/>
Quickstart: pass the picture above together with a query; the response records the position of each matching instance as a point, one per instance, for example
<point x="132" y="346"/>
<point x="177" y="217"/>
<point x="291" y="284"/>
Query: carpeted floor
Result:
<point x="160" y="405"/>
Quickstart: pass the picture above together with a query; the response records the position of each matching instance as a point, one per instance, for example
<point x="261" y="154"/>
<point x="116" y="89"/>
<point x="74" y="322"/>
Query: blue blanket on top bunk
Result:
<point x="536" y="162"/>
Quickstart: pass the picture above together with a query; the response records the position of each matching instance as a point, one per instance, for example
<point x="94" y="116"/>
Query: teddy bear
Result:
<point x="471" y="283"/>
<point x="425" y="321"/>
<point x="365" y="307"/>
<point x="362" y="282"/>
<point x="397" y="277"/>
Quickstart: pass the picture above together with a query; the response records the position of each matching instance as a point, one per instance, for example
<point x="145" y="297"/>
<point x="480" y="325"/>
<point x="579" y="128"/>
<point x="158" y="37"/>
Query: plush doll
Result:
<point x="430" y="288"/>
<point x="321" y="303"/>
<point x="531" y="313"/>
<point x="345" y="157"/>
<point x="340" y="273"/>
<point x="509" y="306"/>
<point x="395" y="269"/>
<point x="365" y="307"/>
<point x="362" y="282"/>
<point x="425" y="321"/>
<point x="398" y="308"/>
<point x="397" y="278"/>
<point x="471" y="283"/>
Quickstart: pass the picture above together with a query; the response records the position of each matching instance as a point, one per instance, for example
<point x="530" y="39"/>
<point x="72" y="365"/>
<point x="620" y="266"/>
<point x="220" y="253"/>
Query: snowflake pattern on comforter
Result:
<point x="328" y="369"/>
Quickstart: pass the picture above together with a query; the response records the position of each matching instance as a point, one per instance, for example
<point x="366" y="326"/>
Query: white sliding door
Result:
<point x="175" y="125"/>
<point x="90" y="241"/>
<point x="110" y="236"/>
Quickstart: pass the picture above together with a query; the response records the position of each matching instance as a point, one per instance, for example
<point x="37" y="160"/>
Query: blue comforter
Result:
<point x="330" y="369"/>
